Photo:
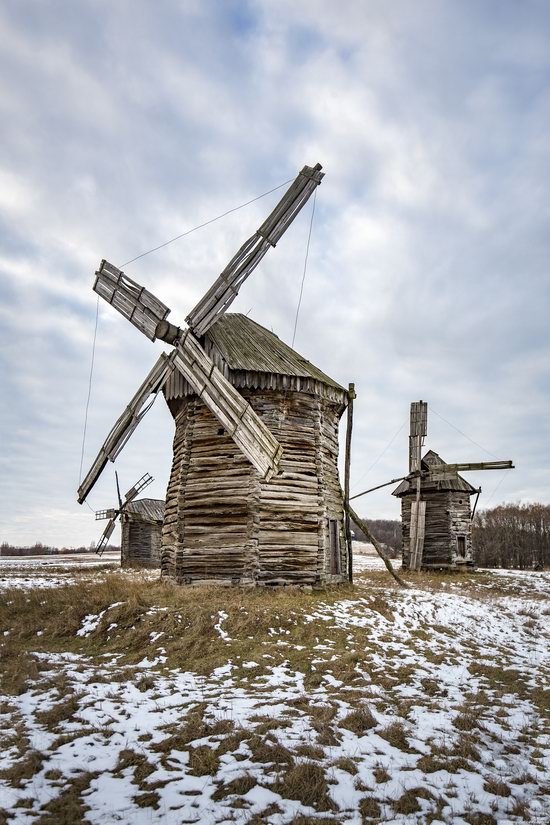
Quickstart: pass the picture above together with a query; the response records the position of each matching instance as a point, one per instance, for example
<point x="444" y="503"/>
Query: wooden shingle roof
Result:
<point x="251" y="356"/>
<point x="246" y="345"/>
<point x="146" y="509"/>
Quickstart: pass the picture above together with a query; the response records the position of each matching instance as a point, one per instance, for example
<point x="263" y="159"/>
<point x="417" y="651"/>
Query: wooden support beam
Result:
<point x="475" y="503"/>
<point x="379" y="487"/>
<point x="347" y="526"/>
<point x="417" y="531"/>
<point x="365" y="528"/>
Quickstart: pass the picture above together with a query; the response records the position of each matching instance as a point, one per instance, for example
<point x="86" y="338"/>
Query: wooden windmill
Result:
<point x="113" y="514"/>
<point x="253" y="495"/>
<point x="435" y="502"/>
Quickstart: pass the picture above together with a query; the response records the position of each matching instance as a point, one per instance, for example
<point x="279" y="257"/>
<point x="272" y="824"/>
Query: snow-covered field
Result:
<point x="371" y="705"/>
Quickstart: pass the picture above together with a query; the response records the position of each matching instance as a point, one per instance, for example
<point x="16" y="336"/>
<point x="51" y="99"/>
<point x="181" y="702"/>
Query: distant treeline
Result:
<point x="387" y="531"/>
<point x="508" y="536"/>
<point x="40" y="549"/>
<point x="513" y="535"/>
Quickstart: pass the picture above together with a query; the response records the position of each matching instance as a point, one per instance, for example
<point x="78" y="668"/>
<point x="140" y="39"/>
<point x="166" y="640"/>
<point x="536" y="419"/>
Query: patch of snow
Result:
<point x="222" y="616"/>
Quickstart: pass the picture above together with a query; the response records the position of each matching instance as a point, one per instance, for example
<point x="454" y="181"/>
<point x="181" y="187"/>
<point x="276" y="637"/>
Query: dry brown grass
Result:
<point x="203" y="761"/>
<point x="307" y="783"/>
<point x="194" y="727"/>
<point x="263" y="818"/>
<point x="369" y="809"/>
<point x="408" y="801"/>
<point x="269" y="751"/>
<point x="149" y="799"/>
<point x="359" y="721"/>
<point x="497" y="787"/>
<point x="61" y="712"/>
<point x="309" y="751"/>
<point x="24" y="769"/>
<point x="190" y="612"/>
<point x="381" y="775"/>
<point x="480" y="819"/>
<point x="345" y="763"/>
<point x="68" y="808"/>
<point x="396" y="735"/>
<point x="322" y="718"/>
<point x="238" y="787"/>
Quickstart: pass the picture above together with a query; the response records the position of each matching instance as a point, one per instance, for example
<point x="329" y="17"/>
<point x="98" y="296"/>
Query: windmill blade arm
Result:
<point x="138" y="488"/>
<point x="225" y="289"/>
<point x="437" y="470"/>
<point x="106" y="535"/>
<point x="137" y="304"/>
<point x="233" y="412"/>
<point x="127" y="422"/>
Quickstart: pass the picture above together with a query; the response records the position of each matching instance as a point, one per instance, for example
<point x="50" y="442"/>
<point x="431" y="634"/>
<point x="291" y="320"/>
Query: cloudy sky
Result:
<point x="124" y="124"/>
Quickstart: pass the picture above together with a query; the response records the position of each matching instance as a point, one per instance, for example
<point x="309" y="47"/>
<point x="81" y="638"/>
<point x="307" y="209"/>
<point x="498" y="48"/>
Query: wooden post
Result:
<point x="347" y="523"/>
<point x="418" y="431"/>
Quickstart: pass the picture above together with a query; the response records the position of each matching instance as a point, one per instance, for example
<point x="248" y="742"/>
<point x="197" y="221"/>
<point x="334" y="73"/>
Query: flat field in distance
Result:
<point x="126" y="699"/>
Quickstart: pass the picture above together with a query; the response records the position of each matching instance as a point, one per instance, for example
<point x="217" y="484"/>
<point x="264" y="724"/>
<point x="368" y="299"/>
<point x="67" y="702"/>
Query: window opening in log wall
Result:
<point x="461" y="546"/>
<point x="334" y="546"/>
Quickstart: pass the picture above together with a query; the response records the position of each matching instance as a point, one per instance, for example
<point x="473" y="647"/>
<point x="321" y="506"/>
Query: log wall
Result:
<point x="140" y="543"/>
<point x="225" y="524"/>
<point x="448" y="516"/>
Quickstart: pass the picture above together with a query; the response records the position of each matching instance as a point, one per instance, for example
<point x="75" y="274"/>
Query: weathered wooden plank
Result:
<point x="134" y="302"/>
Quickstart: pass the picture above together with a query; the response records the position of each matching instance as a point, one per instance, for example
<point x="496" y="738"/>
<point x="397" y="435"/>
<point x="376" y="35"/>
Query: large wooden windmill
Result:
<point x="254" y="495"/>
<point x="435" y="502"/>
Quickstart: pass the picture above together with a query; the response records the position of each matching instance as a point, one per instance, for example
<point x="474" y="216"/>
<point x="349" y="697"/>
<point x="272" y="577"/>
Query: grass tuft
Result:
<point x="359" y="721"/>
<point x="239" y="787"/>
<point x="307" y="783"/>
<point x="203" y="761"/>
<point x="369" y="809"/>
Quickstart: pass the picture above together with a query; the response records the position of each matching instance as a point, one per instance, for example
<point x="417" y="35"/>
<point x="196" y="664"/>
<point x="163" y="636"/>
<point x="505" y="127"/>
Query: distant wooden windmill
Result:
<point x="254" y="495"/>
<point x="115" y="513"/>
<point x="435" y="502"/>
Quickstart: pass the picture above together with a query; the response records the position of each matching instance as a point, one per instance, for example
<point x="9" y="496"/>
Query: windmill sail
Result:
<point x="106" y="535"/>
<point x="127" y="422"/>
<point x="225" y="289"/>
<point x="138" y="488"/>
<point x="132" y="300"/>
<point x="233" y="412"/>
